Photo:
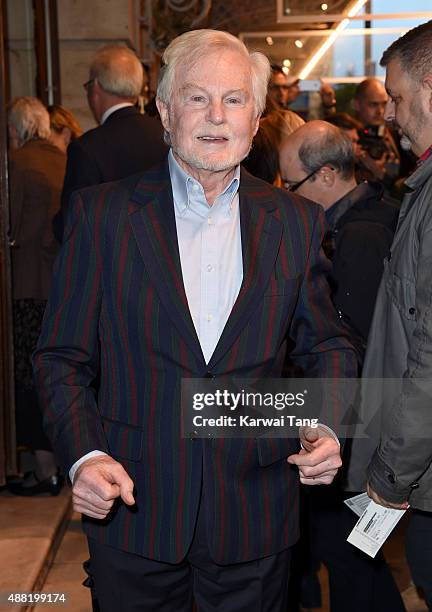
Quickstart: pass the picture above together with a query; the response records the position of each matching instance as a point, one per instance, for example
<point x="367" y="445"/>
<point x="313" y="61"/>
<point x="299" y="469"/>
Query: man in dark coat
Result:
<point x="192" y="270"/>
<point x="125" y="142"/>
<point x="317" y="161"/>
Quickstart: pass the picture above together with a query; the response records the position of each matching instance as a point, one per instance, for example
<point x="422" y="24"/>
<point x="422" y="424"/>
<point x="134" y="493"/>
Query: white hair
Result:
<point x="29" y="117"/>
<point x="118" y="71"/>
<point x="188" y="47"/>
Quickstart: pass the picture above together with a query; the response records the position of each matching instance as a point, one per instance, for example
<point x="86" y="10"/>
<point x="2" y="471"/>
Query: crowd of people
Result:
<point x="143" y="253"/>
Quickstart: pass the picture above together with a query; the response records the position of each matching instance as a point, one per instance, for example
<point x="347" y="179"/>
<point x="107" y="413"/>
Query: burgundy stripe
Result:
<point x="151" y="465"/>
<point x="167" y="256"/>
<point x="271" y="318"/>
<point x="180" y="500"/>
<point x="122" y="325"/>
<point x="221" y="483"/>
<point x="243" y="499"/>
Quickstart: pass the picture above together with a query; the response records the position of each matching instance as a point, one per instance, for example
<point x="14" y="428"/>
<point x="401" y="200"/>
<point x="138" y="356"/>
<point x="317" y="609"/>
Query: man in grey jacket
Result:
<point x="400" y="340"/>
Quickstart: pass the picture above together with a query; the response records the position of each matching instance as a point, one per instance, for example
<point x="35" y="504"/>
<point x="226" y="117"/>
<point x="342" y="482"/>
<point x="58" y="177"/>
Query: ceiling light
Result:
<point x="331" y="40"/>
<point x="298" y="43"/>
<point x="286" y="63"/>
<point x="324" y="6"/>
<point x="269" y="41"/>
<point x="285" y="70"/>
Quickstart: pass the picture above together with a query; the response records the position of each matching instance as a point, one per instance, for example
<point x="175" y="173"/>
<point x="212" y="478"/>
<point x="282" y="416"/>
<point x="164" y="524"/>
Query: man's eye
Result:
<point x="198" y="99"/>
<point x="233" y="101"/>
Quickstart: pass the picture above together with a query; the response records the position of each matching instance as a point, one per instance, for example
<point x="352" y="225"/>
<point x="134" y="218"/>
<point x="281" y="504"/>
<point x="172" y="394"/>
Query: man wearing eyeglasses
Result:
<point x="317" y="161"/>
<point x="125" y="142"/>
<point x="283" y="90"/>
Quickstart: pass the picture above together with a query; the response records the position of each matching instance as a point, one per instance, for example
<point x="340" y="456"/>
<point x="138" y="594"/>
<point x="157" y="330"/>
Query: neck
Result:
<point x="213" y="183"/>
<point x="340" y="189"/>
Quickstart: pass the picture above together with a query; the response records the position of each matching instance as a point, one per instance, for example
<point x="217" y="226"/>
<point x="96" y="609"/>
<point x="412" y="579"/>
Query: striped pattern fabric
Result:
<point x="118" y="315"/>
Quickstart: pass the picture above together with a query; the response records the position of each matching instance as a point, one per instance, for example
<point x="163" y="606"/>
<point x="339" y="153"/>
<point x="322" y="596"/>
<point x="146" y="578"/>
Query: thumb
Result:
<point x="308" y="436"/>
<point x="126" y="491"/>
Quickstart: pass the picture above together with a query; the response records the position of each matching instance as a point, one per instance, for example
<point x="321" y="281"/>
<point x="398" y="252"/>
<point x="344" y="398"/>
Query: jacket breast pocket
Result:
<point x="124" y="441"/>
<point x="283" y="286"/>
<point x="402" y="292"/>
<point x="271" y="450"/>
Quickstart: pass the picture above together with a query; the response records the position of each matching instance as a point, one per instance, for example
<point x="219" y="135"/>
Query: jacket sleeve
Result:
<point x="322" y="348"/>
<point x="405" y="449"/>
<point x="66" y="360"/>
<point x="81" y="171"/>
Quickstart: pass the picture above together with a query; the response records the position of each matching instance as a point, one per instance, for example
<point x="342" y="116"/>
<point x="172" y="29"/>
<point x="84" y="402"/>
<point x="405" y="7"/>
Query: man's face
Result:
<point x="278" y="89"/>
<point x="409" y="107"/>
<point x="293" y="172"/>
<point x="371" y="106"/>
<point x="211" y="118"/>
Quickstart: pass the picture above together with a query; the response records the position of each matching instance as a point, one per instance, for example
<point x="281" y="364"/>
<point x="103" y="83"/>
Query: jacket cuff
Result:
<point x="383" y="481"/>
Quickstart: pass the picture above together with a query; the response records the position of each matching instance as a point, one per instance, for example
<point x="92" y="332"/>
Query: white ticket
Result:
<point x="358" y="503"/>
<point x="373" y="528"/>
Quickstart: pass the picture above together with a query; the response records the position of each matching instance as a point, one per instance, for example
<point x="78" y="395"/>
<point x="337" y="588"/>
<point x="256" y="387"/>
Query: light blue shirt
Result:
<point x="209" y="240"/>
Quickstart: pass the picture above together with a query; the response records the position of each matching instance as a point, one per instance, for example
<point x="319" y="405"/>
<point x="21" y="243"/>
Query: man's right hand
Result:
<point x="97" y="483"/>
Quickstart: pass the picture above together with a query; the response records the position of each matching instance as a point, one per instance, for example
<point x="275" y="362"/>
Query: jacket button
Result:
<point x="209" y="375"/>
<point x="391" y="478"/>
<point x="411" y="310"/>
<point x="414" y="485"/>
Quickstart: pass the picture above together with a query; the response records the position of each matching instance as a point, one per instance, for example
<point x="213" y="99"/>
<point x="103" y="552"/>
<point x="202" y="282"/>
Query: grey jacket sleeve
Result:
<point x="405" y="450"/>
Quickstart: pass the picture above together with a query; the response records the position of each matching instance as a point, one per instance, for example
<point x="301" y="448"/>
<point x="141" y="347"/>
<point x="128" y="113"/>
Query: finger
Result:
<point x="94" y="501"/>
<point x="324" y="480"/>
<point x="311" y="477"/>
<point x="325" y="449"/>
<point x="88" y="511"/>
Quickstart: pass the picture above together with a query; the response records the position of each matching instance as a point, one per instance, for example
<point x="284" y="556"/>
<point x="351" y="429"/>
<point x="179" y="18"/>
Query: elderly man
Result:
<point x="125" y="142"/>
<point x="400" y="345"/>
<point x="317" y="161"/>
<point x="195" y="269"/>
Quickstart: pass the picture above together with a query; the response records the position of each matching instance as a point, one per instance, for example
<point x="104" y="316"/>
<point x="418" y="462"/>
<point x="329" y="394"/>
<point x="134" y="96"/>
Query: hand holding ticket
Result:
<point x="374" y="525"/>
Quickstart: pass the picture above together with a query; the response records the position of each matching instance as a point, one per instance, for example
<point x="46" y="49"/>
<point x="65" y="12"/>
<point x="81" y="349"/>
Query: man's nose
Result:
<point x="389" y="114"/>
<point x="216" y="112"/>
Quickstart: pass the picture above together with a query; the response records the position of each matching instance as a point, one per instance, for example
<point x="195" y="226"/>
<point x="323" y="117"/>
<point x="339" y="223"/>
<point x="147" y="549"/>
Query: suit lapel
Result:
<point x="261" y="234"/>
<point x="151" y="214"/>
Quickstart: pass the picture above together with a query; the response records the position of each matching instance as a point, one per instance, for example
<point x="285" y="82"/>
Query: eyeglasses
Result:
<point x="289" y="186"/>
<point x="87" y="84"/>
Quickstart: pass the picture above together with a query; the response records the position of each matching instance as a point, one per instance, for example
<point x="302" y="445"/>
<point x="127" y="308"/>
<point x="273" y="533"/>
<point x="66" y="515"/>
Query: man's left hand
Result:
<point x="382" y="502"/>
<point x="319" y="459"/>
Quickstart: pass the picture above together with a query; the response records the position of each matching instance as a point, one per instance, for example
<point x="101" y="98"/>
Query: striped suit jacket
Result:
<point x="118" y="313"/>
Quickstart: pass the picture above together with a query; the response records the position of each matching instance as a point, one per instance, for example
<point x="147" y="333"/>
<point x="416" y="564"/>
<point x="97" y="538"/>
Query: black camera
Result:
<point x="371" y="139"/>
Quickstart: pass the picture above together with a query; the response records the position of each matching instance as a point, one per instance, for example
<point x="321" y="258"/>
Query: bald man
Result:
<point x="317" y="161"/>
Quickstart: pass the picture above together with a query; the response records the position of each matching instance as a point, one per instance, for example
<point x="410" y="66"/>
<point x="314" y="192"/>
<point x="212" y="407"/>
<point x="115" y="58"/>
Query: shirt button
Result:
<point x="209" y="268"/>
<point x="195" y="187"/>
<point x="210" y="221"/>
<point x="209" y="317"/>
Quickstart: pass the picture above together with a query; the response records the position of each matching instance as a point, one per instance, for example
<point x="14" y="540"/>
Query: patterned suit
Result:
<point x="119" y="311"/>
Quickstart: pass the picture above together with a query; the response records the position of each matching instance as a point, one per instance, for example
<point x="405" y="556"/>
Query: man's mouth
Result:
<point x="213" y="138"/>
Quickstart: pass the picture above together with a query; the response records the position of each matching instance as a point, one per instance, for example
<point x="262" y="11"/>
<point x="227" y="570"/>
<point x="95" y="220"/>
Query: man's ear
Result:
<point x="257" y="124"/>
<point x="164" y="114"/>
<point x="427" y="84"/>
<point x="327" y="176"/>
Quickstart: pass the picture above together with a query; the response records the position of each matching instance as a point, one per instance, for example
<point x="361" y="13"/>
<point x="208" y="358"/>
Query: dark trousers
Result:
<point x="419" y="551"/>
<point x="125" y="582"/>
<point x="357" y="582"/>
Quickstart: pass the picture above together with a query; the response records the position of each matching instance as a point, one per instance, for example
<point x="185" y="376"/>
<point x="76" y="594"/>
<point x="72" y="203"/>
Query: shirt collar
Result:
<point x="185" y="188"/>
<point x="113" y="109"/>
<point x="425" y="155"/>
